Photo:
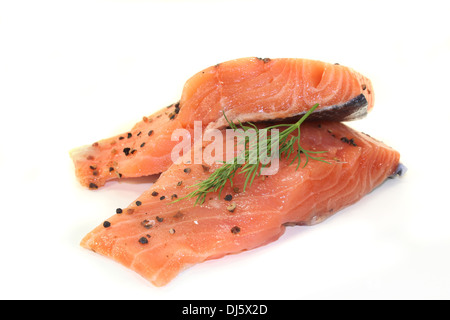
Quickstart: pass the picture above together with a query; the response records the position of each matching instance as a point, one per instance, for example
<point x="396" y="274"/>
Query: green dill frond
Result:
<point x="289" y="146"/>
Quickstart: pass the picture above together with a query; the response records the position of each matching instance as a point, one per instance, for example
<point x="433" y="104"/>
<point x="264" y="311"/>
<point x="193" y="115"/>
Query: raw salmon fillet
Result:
<point x="159" y="238"/>
<point x="247" y="89"/>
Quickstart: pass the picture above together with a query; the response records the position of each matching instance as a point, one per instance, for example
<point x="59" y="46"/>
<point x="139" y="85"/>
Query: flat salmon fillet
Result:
<point x="247" y="89"/>
<point x="159" y="238"/>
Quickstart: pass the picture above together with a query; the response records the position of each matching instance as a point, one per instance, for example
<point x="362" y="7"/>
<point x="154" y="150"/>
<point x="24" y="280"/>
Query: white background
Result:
<point x="73" y="72"/>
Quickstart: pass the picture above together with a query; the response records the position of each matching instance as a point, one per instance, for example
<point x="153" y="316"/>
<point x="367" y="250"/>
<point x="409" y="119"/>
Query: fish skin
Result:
<point x="246" y="89"/>
<point x="305" y="196"/>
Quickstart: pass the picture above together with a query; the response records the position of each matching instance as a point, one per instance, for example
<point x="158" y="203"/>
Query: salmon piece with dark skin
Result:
<point x="159" y="238"/>
<point x="247" y="89"/>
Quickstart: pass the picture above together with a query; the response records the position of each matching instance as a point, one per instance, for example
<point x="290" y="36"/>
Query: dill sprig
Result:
<point x="218" y="179"/>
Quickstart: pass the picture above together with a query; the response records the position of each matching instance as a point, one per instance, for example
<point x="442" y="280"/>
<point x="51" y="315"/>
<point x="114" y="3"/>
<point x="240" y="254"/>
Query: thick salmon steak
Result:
<point x="247" y="89"/>
<point x="158" y="238"/>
